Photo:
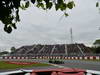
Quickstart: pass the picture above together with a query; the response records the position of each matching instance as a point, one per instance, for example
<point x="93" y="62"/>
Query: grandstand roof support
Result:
<point x="66" y="52"/>
<point x="41" y="49"/>
<point x="52" y="50"/>
<point x="31" y="49"/>
<point x="80" y="50"/>
<point x="21" y="50"/>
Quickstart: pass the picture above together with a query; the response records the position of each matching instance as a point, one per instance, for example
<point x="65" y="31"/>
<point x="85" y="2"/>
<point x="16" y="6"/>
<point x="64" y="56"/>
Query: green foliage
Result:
<point x="9" y="9"/>
<point x="97" y="4"/>
<point x="71" y="4"/>
<point x="33" y="1"/>
<point x="13" y="49"/>
<point x="9" y="15"/>
<point x="96" y="50"/>
<point x="97" y="42"/>
<point x="3" y="53"/>
<point x="66" y="14"/>
<point x="24" y="5"/>
<point x="96" y="47"/>
<point x="27" y="4"/>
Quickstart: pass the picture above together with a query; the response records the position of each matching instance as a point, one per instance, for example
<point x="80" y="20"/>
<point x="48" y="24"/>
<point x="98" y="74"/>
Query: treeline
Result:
<point x="4" y="53"/>
<point x="96" y="46"/>
<point x="96" y="50"/>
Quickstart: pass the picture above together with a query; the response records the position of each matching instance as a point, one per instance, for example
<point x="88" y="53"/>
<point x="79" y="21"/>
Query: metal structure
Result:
<point x="53" y="50"/>
<point x="71" y="36"/>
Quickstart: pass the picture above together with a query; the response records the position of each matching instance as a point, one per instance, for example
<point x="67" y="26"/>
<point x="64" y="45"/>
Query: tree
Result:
<point x="9" y="9"/>
<point x="96" y="46"/>
<point x="98" y="4"/>
<point x="3" y="53"/>
<point x="13" y="49"/>
<point x="97" y="43"/>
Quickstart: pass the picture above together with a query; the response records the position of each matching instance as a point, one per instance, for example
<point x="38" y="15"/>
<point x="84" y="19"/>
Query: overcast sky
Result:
<point x="49" y="27"/>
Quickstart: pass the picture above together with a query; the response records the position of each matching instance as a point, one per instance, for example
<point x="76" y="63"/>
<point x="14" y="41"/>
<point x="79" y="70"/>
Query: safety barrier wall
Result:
<point x="10" y="57"/>
<point x="54" y="57"/>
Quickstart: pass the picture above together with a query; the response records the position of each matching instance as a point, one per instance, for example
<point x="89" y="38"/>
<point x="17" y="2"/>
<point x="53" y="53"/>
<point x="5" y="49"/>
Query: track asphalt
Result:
<point x="81" y="64"/>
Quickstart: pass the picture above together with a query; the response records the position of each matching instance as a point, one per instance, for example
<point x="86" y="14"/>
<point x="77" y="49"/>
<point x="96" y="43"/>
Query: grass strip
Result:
<point x="4" y="65"/>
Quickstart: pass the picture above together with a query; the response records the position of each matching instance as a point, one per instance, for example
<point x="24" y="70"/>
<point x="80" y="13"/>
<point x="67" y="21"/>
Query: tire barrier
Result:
<point x="54" y="57"/>
<point x="58" y="71"/>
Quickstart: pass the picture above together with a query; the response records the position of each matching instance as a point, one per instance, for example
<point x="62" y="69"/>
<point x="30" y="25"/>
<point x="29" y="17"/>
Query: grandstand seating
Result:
<point x="57" y="49"/>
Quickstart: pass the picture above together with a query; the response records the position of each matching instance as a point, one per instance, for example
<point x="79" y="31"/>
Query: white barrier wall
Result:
<point x="56" y="57"/>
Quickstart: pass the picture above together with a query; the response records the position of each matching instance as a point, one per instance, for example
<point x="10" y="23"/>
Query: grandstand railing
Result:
<point x="60" y="54"/>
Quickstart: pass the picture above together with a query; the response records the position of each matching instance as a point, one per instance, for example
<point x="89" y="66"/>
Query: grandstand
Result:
<point x="53" y="50"/>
